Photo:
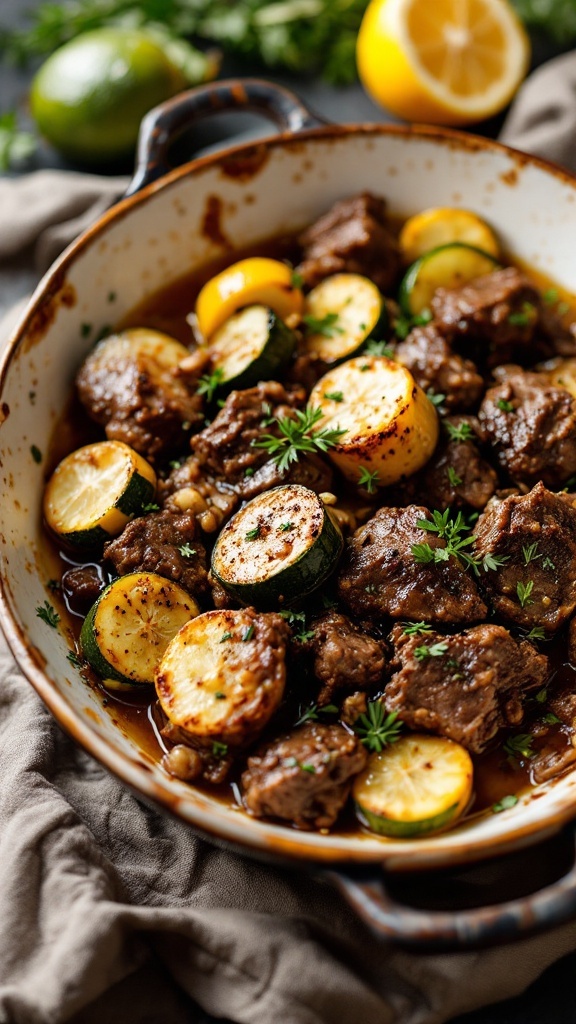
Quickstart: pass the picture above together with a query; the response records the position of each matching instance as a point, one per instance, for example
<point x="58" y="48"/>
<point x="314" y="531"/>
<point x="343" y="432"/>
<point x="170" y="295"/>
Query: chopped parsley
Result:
<point x="175" y="463"/>
<point x="524" y="318"/>
<point x="298" y="435"/>
<point x="74" y="659"/>
<point x="186" y="551"/>
<point x="504" y="406"/>
<point x="151" y="507"/>
<point x="379" y="348"/>
<point x="224" y="637"/>
<point x="248" y="633"/>
<point x="547" y="563"/>
<point x="209" y="383"/>
<point x="296" y="280"/>
<point x="334" y="396"/>
<point x="519" y="745"/>
<point x="542" y="695"/>
<point x="524" y="591"/>
<point x="219" y="695"/>
<point x="453" y="477"/>
<point x="326" y="325"/>
<point x="368" y="480"/>
<point x="455" y="533"/>
<point x="284" y="527"/>
<point x="293" y="618"/>
<point x="48" y="614"/>
<point x="550" y="296"/>
<point x="505" y="803"/>
<point x="434" y="651"/>
<point x="249" y="471"/>
<point x="219" y="749"/>
<point x="416" y="628"/>
<point x="536" y="633"/>
<point x="551" y="719"/>
<point x="436" y="400"/>
<point x="376" y="729"/>
<point x="253" y="534"/>
<point x="462" y="432"/>
<point x="308" y="768"/>
<point x="530" y="552"/>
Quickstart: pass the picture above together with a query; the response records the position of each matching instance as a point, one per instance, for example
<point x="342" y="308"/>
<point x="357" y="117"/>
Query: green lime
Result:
<point x="89" y="97"/>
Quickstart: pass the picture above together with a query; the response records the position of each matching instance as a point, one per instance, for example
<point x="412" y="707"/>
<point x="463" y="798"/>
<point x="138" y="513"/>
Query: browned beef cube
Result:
<point x="380" y="576"/>
<point x="456" y="476"/>
<point x="500" y="309"/>
<point x="165" y="543"/>
<point x="304" y="777"/>
<point x="531" y="426"/>
<point x="354" y="236"/>
<point x="435" y="367"/>
<point x="225" y="447"/>
<point x="535" y="534"/>
<point x="466" y="686"/>
<point x="345" y="658"/>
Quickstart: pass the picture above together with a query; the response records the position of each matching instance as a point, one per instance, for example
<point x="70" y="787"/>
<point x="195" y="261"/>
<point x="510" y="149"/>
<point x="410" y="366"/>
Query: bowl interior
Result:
<point x="220" y="204"/>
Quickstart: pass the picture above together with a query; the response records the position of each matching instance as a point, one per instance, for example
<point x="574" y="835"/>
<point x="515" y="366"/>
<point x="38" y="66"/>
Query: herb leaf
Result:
<point x="377" y="729"/>
<point x="453" y="478"/>
<point x="48" y="614"/>
<point x="327" y="325"/>
<point x="519" y="745"/>
<point x="505" y="803"/>
<point x="379" y="348"/>
<point x="416" y="628"/>
<point x="298" y="435"/>
<point x="186" y="551"/>
<point x="462" y="432"/>
<point x="524" y="590"/>
<point x="505" y="406"/>
<point x="437" y="650"/>
<point x="367" y="479"/>
<point x="209" y="383"/>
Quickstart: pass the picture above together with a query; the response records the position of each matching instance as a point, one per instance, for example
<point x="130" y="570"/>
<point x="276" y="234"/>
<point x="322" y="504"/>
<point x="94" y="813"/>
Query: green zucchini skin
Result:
<point x="411" y="276"/>
<point x="289" y="582"/>
<point x="403" y="829"/>
<point x="278" y="346"/>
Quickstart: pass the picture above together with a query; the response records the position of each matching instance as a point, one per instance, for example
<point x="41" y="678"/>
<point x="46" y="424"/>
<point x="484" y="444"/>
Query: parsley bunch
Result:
<point x="455" y="532"/>
<point x="298" y="435"/>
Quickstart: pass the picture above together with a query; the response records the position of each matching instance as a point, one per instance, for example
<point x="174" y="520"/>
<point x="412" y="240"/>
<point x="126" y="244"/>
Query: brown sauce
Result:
<point x="134" y="713"/>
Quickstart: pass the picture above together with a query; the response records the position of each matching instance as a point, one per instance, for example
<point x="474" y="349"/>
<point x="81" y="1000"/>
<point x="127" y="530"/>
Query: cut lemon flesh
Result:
<point x="257" y="280"/>
<point x="446" y="61"/>
<point x="419" y="785"/>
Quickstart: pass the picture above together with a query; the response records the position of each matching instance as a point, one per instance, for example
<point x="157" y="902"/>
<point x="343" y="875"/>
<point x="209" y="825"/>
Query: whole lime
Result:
<point x="89" y="97"/>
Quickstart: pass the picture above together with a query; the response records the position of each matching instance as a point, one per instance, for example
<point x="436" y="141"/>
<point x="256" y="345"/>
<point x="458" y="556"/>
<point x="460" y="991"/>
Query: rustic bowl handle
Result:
<point x="365" y="890"/>
<point x="162" y="125"/>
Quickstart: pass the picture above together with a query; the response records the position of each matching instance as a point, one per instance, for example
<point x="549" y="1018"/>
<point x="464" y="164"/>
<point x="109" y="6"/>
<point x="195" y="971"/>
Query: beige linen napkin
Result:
<point x="110" y="912"/>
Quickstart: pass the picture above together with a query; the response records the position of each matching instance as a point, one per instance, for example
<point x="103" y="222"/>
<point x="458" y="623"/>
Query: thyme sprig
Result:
<point x="298" y="435"/>
<point x="376" y="729"/>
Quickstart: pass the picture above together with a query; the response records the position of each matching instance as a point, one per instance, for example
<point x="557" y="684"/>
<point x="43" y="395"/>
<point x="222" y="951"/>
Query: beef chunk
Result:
<point x="572" y="644"/>
<point x="353" y="236"/>
<point x="556" y="751"/>
<point x="531" y="426"/>
<point x="305" y="776"/>
<point x="380" y="576"/>
<point x="82" y="586"/>
<point x="225" y="448"/>
<point x="468" y="692"/>
<point x="500" y="309"/>
<point x="434" y="366"/>
<point x="137" y="399"/>
<point x="536" y="534"/>
<point x="311" y="471"/>
<point x="154" y="543"/>
<point x="190" y="488"/>
<point x="456" y="476"/>
<point x="345" y="658"/>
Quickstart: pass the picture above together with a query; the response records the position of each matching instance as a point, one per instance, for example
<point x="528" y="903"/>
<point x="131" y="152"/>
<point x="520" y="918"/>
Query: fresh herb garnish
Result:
<point x="550" y="296"/>
<point x="436" y="400"/>
<point x="249" y="471"/>
<point x="225" y="636"/>
<point x="454" y="533"/>
<point x="74" y="659"/>
<point x="542" y="695"/>
<point x="311" y="713"/>
<point x="219" y="695"/>
<point x="326" y="325"/>
<point x="524" y="591"/>
<point x="54" y="585"/>
<point x="334" y="396"/>
<point x="296" y="280"/>
<point x="547" y="563"/>
<point x="294" y="618"/>
<point x="284" y="527"/>
<point x="376" y="729"/>
<point x="186" y="551"/>
<point x="305" y="635"/>
<point x="48" y="614"/>
<point x="219" y="750"/>
<point x="453" y="477"/>
<point x="462" y="432"/>
<point x="209" y="383"/>
<point x="504" y="406"/>
<point x="248" y="633"/>
<point x="16" y="146"/>
<point x="551" y="719"/>
<point x="490" y="561"/>
<point x="437" y="650"/>
<point x="505" y="803"/>
<point x="379" y="348"/>
<point x="530" y="552"/>
<point x="151" y="506"/>
<point x="403" y="324"/>
<point x="36" y="453"/>
<point x="298" y="435"/>
<point x="308" y="768"/>
<point x="527" y="316"/>
<point x="368" y="479"/>
<point x="519" y="745"/>
<point x="416" y="628"/>
<point x="253" y="534"/>
<point x="175" y="463"/>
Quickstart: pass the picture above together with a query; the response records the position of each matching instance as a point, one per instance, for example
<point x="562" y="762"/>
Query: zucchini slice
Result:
<point x="278" y="547"/>
<point x="95" y="490"/>
<point x="391" y="426"/>
<point x="215" y="683"/>
<point x="351" y="310"/>
<point x="131" y="624"/>
<point x="256" y="280"/>
<point x="417" y="786"/>
<point x="447" y="266"/>
<point x="441" y="225"/>
<point x="252" y="345"/>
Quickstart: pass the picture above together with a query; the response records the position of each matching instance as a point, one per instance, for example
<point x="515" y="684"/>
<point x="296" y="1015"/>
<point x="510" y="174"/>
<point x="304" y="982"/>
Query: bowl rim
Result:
<point x="219" y="823"/>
